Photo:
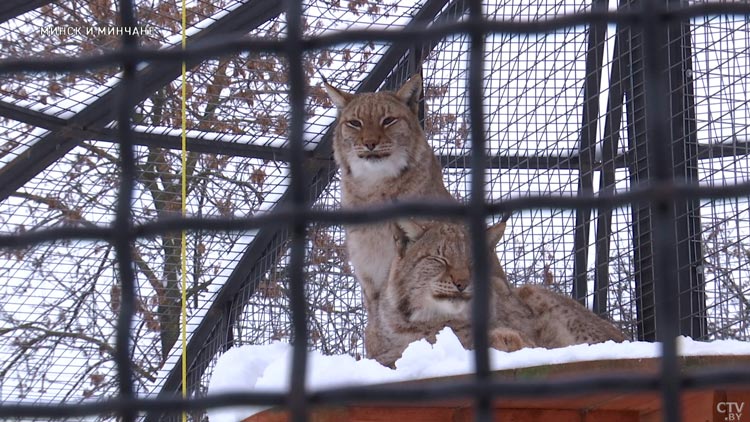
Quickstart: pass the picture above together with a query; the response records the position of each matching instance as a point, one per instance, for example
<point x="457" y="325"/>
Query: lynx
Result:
<point x="561" y="321"/>
<point x="384" y="157"/>
<point x="429" y="287"/>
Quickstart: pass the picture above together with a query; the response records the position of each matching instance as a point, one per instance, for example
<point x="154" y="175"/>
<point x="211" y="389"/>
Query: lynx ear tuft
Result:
<point x="339" y="98"/>
<point x="411" y="228"/>
<point x="495" y="233"/>
<point x="409" y="92"/>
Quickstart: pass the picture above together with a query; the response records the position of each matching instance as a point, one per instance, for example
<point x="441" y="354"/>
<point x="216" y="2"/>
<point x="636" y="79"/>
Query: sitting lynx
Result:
<point x="561" y="321"/>
<point x="384" y="157"/>
<point x="429" y="288"/>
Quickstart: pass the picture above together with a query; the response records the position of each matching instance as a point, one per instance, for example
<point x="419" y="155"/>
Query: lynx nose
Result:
<point x="460" y="284"/>
<point x="370" y="145"/>
<point x="460" y="278"/>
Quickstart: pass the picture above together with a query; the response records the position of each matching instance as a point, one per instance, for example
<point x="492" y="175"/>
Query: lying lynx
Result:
<point x="561" y="321"/>
<point x="384" y="157"/>
<point x="429" y="288"/>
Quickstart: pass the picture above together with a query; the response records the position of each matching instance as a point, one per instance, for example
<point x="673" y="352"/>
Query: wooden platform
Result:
<point x="713" y="405"/>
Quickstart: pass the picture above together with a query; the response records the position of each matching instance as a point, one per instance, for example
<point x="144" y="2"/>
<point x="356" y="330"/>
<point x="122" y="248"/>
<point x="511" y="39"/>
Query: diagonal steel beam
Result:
<point x="394" y="64"/>
<point x="55" y="145"/>
<point x="104" y="134"/>
<point x="31" y="117"/>
<point x="10" y="9"/>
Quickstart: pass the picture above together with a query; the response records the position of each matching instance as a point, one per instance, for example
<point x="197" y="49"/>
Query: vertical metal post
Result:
<point x="682" y="151"/>
<point x="692" y="301"/>
<point x="587" y="151"/>
<point x="637" y="159"/>
<point x="612" y="123"/>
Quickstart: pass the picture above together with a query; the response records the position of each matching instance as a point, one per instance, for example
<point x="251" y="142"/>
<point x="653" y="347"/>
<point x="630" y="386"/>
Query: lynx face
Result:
<point x="375" y="132"/>
<point x="429" y="287"/>
<point x="445" y="268"/>
<point x="433" y="277"/>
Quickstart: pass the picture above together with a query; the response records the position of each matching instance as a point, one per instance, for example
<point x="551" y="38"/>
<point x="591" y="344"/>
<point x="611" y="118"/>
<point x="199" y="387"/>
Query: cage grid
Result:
<point x="565" y="114"/>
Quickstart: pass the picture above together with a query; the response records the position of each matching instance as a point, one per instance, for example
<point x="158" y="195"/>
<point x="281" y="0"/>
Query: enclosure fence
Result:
<point x="662" y="195"/>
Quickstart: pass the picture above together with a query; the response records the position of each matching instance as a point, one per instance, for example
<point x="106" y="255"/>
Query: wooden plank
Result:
<point x="327" y="414"/>
<point x="364" y="414"/>
<point x="697" y="406"/>
<point x="637" y="402"/>
<point x="641" y="402"/>
<point x="537" y="415"/>
<point x="611" y="416"/>
<point x="403" y="414"/>
<point x="523" y="415"/>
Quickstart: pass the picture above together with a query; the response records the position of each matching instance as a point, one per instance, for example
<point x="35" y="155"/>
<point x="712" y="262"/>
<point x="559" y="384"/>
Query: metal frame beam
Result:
<point x="643" y="263"/>
<point x="104" y="134"/>
<point x="610" y="159"/>
<point x="610" y="141"/>
<point x="55" y="145"/>
<point x="685" y="153"/>
<point x="10" y="9"/>
<point x="587" y="151"/>
<point x="691" y="289"/>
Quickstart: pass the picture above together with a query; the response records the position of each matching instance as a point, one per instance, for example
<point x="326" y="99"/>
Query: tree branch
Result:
<point x="56" y="205"/>
<point x="46" y="333"/>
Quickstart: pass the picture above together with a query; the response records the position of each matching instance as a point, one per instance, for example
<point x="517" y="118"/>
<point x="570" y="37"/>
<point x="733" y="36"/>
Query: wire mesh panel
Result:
<point x="90" y="307"/>
<point x="720" y="47"/>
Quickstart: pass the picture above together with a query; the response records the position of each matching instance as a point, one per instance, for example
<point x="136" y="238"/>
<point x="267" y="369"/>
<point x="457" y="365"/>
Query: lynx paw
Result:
<point x="507" y="340"/>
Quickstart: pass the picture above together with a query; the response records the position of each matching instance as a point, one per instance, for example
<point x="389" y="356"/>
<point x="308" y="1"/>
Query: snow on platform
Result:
<point x="266" y="368"/>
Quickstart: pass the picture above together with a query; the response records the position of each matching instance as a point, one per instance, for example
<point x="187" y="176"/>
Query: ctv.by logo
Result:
<point x="731" y="410"/>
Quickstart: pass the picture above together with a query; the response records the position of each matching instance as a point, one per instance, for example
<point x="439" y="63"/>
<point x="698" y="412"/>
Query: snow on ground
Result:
<point x="266" y="368"/>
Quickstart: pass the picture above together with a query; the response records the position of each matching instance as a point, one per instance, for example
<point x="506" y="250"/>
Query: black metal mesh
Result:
<point x="566" y="122"/>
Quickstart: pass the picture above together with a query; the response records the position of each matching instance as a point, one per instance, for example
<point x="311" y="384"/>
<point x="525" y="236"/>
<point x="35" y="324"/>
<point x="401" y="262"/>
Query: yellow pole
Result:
<point x="183" y="251"/>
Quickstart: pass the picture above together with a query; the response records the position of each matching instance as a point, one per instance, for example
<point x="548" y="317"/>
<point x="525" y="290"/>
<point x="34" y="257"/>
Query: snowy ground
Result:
<point x="266" y="368"/>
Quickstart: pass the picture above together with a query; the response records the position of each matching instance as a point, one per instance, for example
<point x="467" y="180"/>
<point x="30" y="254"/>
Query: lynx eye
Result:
<point x="356" y="124"/>
<point x="439" y="260"/>
<point x="389" y="121"/>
